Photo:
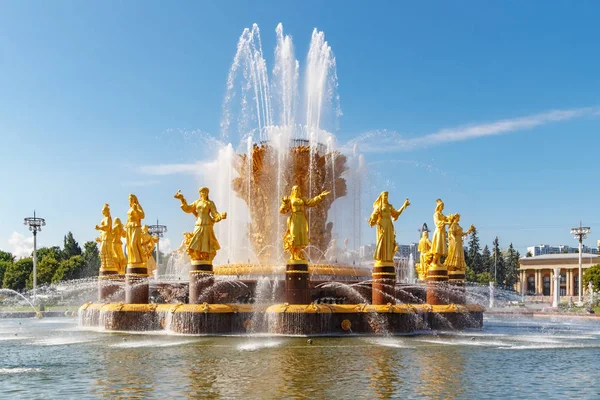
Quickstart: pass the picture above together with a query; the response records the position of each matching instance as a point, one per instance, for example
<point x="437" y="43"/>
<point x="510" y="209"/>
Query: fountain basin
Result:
<point x="280" y="319"/>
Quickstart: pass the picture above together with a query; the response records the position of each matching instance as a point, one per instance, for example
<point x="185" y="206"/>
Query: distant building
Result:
<point x="545" y="249"/>
<point x="535" y="273"/>
<point x="405" y="250"/>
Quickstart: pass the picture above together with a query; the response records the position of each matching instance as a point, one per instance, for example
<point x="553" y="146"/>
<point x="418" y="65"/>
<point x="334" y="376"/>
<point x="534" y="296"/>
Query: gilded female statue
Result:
<point x="383" y="215"/>
<point x="148" y="243"/>
<point x="456" y="254"/>
<point x="203" y="245"/>
<point x="296" y="234"/>
<point x="439" y="247"/>
<point x="106" y="238"/>
<point x="135" y="251"/>
<point x="117" y="245"/>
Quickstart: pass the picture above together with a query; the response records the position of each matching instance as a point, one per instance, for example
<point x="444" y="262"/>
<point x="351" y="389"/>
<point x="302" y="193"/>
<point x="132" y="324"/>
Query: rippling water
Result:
<point x="509" y="358"/>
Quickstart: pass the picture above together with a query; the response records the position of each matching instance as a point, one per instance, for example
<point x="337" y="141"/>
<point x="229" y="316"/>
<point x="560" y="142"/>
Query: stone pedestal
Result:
<point x="136" y="284"/>
<point x="437" y="286"/>
<point x="456" y="289"/>
<point x="383" y="287"/>
<point x="109" y="283"/>
<point x="201" y="279"/>
<point x="297" y="290"/>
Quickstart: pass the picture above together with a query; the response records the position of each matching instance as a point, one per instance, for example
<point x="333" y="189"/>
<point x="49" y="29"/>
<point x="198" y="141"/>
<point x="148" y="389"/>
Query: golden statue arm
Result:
<point x="215" y="215"/>
<point x="317" y="199"/>
<point x="285" y="205"/>
<point x="187" y="208"/>
<point x="396" y="213"/>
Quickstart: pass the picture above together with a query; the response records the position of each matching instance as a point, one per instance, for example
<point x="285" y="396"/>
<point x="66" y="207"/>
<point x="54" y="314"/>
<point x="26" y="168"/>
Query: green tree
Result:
<point x="6" y="256"/>
<point x="484" y="278"/>
<point x="3" y="267"/>
<point x="52" y="252"/>
<point x="592" y="274"/>
<point x="46" y="269"/>
<point x="474" y="254"/>
<point x="91" y="257"/>
<point x="470" y="275"/>
<point x="498" y="270"/>
<point x="71" y="247"/>
<point x="16" y="275"/>
<point x="512" y="267"/>
<point x="69" y="269"/>
<point x="486" y="260"/>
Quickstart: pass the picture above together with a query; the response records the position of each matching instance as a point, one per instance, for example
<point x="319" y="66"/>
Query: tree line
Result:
<point x="491" y="265"/>
<point x="53" y="265"/>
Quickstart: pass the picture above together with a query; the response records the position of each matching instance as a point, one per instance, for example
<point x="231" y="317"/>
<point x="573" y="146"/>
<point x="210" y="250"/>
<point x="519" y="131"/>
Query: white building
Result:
<point x="545" y="249"/>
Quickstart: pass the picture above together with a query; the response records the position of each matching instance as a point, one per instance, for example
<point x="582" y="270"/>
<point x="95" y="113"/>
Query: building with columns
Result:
<point x="535" y="273"/>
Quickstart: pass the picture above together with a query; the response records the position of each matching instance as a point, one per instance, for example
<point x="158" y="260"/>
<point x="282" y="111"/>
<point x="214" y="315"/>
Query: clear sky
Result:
<point x="493" y="107"/>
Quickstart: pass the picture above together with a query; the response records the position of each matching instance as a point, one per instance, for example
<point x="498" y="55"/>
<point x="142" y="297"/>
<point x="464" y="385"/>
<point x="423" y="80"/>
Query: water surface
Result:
<point x="509" y="358"/>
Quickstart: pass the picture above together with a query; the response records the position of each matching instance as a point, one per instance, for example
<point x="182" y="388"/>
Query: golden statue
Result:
<point x="135" y="251"/>
<point x="439" y="247"/>
<point x="423" y="266"/>
<point x="296" y="235"/>
<point x="117" y="246"/>
<point x="106" y="238"/>
<point x="456" y="254"/>
<point x="203" y="245"/>
<point x="425" y="257"/>
<point x="148" y="243"/>
<point x="383" y="214"/>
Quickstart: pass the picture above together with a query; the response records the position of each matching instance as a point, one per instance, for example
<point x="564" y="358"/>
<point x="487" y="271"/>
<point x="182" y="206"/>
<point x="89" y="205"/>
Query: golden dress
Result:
<point x="296" y="235"/>
<point x="117" y="247"/>
<point x="135" y="252"/>
<point x="203" y="238"/>
<point x="456" y="254"/>
<point x="106" y="237"/>
<point x="386" y="245"/>
<point x="438" y="244"/>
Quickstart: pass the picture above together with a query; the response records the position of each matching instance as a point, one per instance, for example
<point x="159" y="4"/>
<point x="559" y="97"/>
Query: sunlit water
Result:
<point x="509" y="358"/>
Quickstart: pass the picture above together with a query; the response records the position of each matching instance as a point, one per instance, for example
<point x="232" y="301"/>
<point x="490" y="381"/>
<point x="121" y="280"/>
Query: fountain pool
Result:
<point x="508" y="358"/>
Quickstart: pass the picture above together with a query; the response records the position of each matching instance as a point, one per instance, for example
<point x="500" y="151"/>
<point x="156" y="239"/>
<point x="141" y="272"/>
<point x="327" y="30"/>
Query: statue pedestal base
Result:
<point x="383" y="288"/>
<point x="456" y="282"/>
<point x="109" y="284"/>
<point x="136" y="284"/>
<point x="201" y="279"/>
<point x="437" y="286"/>
<point x="297" y="290"/>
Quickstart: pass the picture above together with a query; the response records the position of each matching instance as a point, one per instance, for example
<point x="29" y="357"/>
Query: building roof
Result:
<point x="563" y="256"/>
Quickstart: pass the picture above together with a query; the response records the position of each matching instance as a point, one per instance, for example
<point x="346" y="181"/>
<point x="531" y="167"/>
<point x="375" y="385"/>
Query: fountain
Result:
<point x="276" y="266"/>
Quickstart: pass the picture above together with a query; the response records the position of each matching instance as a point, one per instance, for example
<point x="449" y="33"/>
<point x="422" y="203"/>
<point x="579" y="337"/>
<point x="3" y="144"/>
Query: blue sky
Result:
<point x="492" y="107"/>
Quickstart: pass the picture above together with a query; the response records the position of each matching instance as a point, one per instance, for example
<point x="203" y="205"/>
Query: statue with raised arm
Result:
<point x="439" y="247"/>
<point x="203" y="244"/>
<point x="456" y="253"/>
<point x="296" y="234"/>
<point x="383" y="216"/>
<point x="117" y="245"/>
<point x="107" y="258"/>
<point x="135" y="214"/>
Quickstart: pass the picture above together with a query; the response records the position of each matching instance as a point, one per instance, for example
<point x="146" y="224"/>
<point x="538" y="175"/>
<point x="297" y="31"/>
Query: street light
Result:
<point x="157" y="231"/>
<point x="35" y="225"/>
<point x="580" y="233"/>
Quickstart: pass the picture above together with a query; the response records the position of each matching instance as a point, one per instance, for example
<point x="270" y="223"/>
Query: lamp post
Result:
<point x="580" y="233"/>
<point x="35" y="225"/>
<point x="159" y="232"/>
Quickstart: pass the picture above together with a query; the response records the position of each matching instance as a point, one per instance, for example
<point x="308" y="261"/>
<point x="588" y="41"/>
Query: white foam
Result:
<point x="389" y="342"/>
<point x="8" y="371"/>
<point x="61" y="341"/>
<point x="149" y="343"/>
<point x="466" y="342"/>
<point x="252" y="346"/>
